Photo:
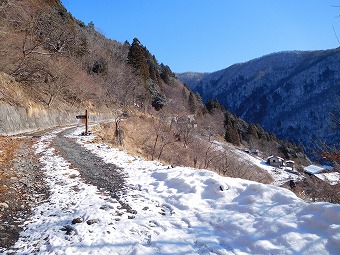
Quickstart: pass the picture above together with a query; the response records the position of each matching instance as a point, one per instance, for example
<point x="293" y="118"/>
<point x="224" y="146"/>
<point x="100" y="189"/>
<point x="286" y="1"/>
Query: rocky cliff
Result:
<point x="293" y="94"/>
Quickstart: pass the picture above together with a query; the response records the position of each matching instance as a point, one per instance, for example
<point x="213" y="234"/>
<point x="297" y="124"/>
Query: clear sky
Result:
<point x="209" y="35"/>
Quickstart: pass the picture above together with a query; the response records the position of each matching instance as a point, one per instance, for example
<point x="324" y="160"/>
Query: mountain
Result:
<point x="53" y="67"/>
<point x="293" y="94"/>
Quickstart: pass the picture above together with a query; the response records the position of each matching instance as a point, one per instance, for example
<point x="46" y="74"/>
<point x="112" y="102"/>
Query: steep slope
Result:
<point x="293" y="94"/>
<point x="61" y="66"/>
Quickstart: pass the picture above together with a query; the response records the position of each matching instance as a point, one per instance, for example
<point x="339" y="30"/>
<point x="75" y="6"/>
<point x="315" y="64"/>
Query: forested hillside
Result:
<point x="54" y="66"/>
<point x="293" y="94"/>
<point x="152" y="174"/>
<point x="60" y="62"/>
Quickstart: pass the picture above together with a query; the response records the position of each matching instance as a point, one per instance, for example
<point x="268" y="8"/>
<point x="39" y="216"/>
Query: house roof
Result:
<point x="275" y="157"/>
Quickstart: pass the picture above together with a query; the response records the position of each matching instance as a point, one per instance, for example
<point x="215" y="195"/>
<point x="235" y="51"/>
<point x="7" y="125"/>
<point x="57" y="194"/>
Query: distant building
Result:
<point x="185" y="120"/>
<point x="254" y="152"/>
<point x="275" y="161"/>
<point x="290" y="163"/>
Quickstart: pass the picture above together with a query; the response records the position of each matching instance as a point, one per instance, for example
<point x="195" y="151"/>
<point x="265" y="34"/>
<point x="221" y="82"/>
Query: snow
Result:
<point x="313" y="169"/>
<point x="179" y="211"/>
<point x="332" y="178"/>
<point x="279" y="175"/>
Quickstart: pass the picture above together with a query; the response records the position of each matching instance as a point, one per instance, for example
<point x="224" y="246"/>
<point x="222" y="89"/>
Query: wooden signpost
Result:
<point x="84" y="119"/>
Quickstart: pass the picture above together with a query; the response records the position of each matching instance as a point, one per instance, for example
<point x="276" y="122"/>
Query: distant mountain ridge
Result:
<point x="293" y="94"/>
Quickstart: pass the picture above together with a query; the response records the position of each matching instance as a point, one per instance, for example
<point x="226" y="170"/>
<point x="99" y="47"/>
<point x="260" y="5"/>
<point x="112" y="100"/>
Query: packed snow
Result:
<point x="313" y="169"/>
<point x="332" y="178"/>
<point x="179" y="211"/>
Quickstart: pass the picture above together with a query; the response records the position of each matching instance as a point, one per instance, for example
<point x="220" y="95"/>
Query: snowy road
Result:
<point x="105" y="176"/>
<point x="173" y="210"/>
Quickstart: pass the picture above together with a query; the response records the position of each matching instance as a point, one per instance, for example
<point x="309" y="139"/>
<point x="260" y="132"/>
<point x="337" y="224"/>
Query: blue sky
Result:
<point x="209" y="35"/>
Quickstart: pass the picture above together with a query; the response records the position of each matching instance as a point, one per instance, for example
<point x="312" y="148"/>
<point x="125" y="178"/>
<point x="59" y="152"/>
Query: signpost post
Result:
<point x="86" y="122"/>
<point x="84" y="118"/>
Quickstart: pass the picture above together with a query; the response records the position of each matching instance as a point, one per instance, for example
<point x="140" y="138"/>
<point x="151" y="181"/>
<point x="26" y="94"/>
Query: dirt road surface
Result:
<point x="22" y="185"/>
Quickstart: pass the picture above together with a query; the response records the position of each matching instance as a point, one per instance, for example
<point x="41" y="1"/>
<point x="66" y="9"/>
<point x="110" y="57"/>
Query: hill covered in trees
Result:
<point x="292" y="94"/>
<point x="53" y="66"/>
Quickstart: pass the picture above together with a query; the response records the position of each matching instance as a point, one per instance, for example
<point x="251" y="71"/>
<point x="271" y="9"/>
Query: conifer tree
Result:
<point x="184" y="93"/>
<point x="212" y="104"/>
<point x="137" y="58"/>
<point x="228" y="118"/>
<point x="199" y="98"/>
<point x="231" y="135"/>
<point x="192" y="104"/>
<point x="166" y="74"/>
<point x="252" y="131"/>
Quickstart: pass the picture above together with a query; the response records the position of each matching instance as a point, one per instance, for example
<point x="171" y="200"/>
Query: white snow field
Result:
<point x="179" y="211"/>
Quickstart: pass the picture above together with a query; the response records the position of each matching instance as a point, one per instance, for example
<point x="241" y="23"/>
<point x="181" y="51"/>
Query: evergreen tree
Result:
<point x="99" y="66"/>
<point x="231" y="135"/>
<point x="252" y="131"/>
<point x="212" y="104"/>
<point x="137" y="58"/>
<point x="192" y="104"/>
<point x="166" y="74"/>
<point x="184" y="93"/>
<point x="229" y="119"/>
<point x="153" y="67"/>
<point x="91" y="25"/>
<point x="199" y="98"/>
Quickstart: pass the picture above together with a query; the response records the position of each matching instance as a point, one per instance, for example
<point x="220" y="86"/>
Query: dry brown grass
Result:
<point x="140" y="139"/>
<point x="8" y="146"/>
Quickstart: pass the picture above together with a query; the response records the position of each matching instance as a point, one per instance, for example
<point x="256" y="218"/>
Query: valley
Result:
<point x="191" y="163"/>
<point x="292" y="94"/>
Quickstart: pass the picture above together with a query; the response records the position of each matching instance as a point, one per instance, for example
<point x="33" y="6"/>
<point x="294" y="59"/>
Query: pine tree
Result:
<point x="137" y="58"/>
<point x="192" y="104"/>
<point x="231" y="135"/>
<point x="252" y="131"/>
<point x="228" y="119"/>
<point x="199" y="98"/>
<point x="184" y="93"/>
<point x="212" y="104"/>
<point x="166" y="74"/>
<point x="153" y="67"/>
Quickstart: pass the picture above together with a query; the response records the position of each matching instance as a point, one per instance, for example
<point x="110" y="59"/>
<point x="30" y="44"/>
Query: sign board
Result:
<point x="84" y="119"/>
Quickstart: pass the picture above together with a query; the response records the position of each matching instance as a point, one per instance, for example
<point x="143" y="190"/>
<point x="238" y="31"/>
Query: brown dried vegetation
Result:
<point x="153" y="138"/>
<point x="22" y="186"/>
<point x="7" y="149"/>
<point x="58" y="62"/>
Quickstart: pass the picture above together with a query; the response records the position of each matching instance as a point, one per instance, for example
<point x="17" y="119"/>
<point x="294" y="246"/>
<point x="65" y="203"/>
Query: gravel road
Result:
<point x="22" y="185"/>
<point x="107" y="177"/>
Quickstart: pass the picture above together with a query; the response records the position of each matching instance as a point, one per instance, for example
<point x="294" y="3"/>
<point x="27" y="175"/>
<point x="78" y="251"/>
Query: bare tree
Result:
<point x="163" y="137"/>
<point x="119" y="135"/>
<point x="184" y="130"/>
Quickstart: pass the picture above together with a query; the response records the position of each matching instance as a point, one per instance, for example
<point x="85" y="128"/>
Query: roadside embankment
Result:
<point x="25" y="110"/>
<point x="17" y="119"/>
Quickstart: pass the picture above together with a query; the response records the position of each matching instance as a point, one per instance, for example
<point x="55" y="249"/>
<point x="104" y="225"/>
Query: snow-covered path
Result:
<point x="178" y="211"/>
